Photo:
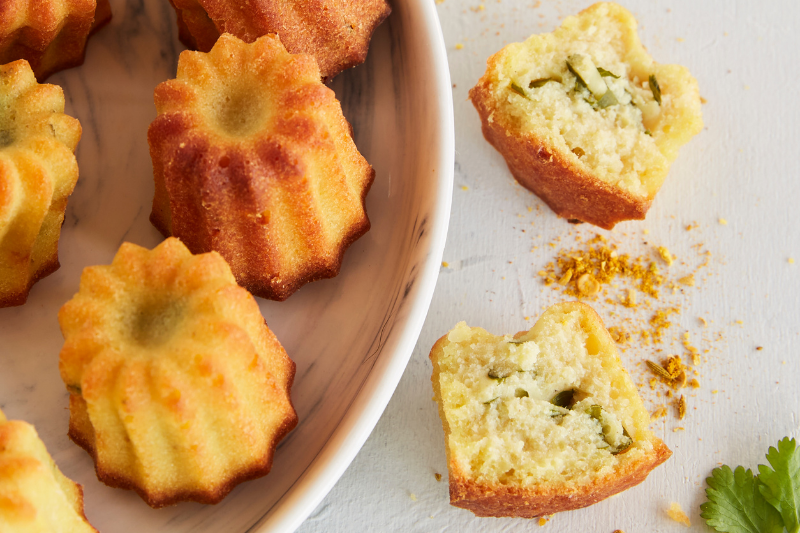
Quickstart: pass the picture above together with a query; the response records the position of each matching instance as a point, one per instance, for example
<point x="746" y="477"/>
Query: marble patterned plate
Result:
<point x="351" y="336"/>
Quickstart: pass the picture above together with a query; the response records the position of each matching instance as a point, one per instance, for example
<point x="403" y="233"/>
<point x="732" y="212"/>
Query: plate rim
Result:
<point x="300" y="500"/>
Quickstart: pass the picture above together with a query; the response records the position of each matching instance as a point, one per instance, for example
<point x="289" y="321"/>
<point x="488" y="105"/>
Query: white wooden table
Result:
<point x="742" y="168"/>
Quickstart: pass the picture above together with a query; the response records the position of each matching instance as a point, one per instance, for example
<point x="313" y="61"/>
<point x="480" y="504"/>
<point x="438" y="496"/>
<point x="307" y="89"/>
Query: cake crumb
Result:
<point x="759" y="348"/>
<point x="619" y="335"/>
<point x="672" y="371"/>
<point x="687" y="280"/>
<point x="668" y="258"/>
<point x="791" y="260"/>
<point x="543" y="520"/>
<point x="464" y="188"/>
<point x="587" y="285"/>
<point x="438" y="476"/>
<point x="702" y="321"/>
<point x="693" y="352"/>
<point x="445" y="264"/>
<point x="659" y="413"/>
<point x="676" y="513"/>
<point x="459" y="46"/>
<point x="723" y="221"/>
<point x="413" y="497"/>
<point x="680" y="407"/>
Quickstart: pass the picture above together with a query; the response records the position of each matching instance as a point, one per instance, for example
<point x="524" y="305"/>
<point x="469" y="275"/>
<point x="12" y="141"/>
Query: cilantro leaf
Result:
<point x="735" y="504"/>
<point x="781" y="483"/>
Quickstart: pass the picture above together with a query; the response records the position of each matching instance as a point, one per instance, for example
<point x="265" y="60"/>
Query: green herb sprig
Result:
<point x="741" y="502"/>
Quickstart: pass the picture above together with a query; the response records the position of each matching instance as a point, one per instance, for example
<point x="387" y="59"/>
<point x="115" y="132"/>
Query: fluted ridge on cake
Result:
<point x="178" y="389"/>
<point x="253" y="158"/>
<point x="336" y="33"/>
<point x="35" y="497"/>
<point x="38" y="172"/>
<point x="50" y="34"/>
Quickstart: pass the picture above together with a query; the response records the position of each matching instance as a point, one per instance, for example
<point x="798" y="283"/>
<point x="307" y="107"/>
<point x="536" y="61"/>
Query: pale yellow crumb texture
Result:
<point x="561" y="381"/>
<point x="586" y="89"/>
<point x="676" y="513"/>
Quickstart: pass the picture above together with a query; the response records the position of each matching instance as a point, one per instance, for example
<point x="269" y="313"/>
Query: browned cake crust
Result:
<point x="569" y="191"/>
<point x="38" y="172"/>
<point x="520" y="502"/>
<point x="336" y="32"/>
<point x="51" y="35"/>
<point x="281" y="201"/>
<point x="178" y="389"/>
<point x="82" y="434"/>
<point x="34" y="494"/>
<point x="589" y="161"/>
<point x="19" y="298"/>
<point x="508" y="500"/>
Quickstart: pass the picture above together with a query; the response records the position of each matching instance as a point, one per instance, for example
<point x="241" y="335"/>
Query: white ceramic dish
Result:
<point x="351" y="337"/>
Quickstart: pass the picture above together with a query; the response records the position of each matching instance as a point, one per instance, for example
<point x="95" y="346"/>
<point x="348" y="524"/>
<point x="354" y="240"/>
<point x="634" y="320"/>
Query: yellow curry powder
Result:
<point x="596" y="269"/>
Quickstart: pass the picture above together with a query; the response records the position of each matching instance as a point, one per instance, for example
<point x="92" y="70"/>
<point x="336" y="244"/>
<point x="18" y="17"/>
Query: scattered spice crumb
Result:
<point x="619" y="335"/>
<point x="659" y="322"/>
<point x="438" y="476"/>
<point x="651" y="293"/>
<point x="691" y="349"/>
<point x="659" y="413"/>
<point x="676" y="513"/>
<point x="672" y="371"/>
<point x="759" y="348"/>
<point x="680" y="407"/>
<point x="587" y="284"/>
<point x="664" y="253"/>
